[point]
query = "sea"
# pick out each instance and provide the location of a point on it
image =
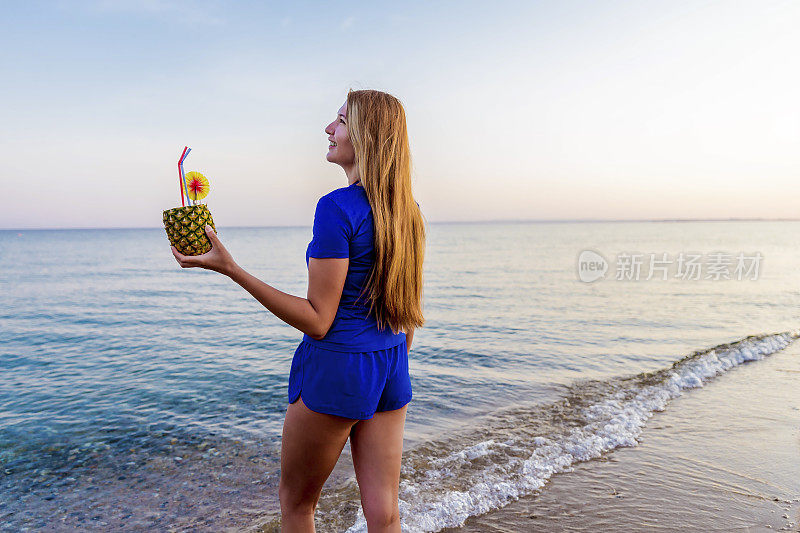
(140, 396)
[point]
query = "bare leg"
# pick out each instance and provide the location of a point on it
(377, 448)
(310, 448)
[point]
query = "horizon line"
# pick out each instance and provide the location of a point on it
(490, 221)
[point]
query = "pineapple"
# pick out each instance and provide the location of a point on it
(186, 228)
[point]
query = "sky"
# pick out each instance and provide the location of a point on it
(559, 110)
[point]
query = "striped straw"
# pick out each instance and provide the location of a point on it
(183, 175)
(180, 174)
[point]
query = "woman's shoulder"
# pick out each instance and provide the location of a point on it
(352, 200)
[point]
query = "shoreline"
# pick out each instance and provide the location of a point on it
(722, 457)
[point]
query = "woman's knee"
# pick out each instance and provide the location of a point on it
(296, 502)
(380, 513)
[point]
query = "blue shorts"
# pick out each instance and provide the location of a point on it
(350, 384)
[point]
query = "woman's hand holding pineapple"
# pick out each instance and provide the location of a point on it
(217, 259)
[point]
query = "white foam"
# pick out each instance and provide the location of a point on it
(427, 506)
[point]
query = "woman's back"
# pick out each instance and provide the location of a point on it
(343, 227)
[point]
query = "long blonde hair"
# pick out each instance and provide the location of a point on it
(377, 131)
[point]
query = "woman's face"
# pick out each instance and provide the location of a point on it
(340, 150)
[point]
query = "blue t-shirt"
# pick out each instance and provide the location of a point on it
(343, 227)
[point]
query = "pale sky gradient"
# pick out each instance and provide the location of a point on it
(516, 110)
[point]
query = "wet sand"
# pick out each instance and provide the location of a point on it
(724, 457)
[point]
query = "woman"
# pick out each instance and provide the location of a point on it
(349, 376)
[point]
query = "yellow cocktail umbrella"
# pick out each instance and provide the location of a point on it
(197, 186)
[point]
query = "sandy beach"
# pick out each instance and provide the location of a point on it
(724, 457)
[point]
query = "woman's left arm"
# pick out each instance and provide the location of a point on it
(313, 315)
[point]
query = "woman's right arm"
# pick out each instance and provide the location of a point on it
(409, 339)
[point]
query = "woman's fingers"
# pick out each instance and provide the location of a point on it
(214, 238)
(183, 260)
(217, 258)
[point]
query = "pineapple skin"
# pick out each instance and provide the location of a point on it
(185, 227)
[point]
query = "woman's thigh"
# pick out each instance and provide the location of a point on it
(311, 445)
(377, 448)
